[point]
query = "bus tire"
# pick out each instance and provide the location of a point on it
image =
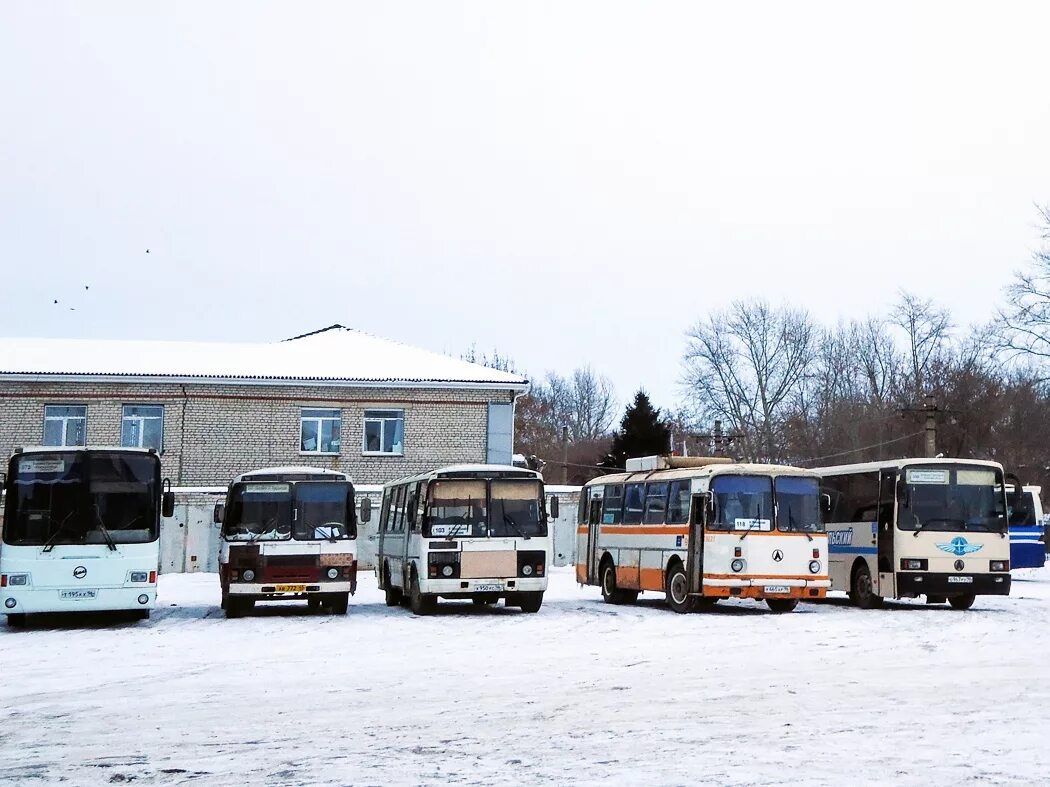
(611, 594)
(862, 592)
(529, 602)
(17, 620)
(420, 603)
(962, 602)
(225, 599)
(391, 594)
(340, 603)
(238, 607)
(782, 604)
(676, 589)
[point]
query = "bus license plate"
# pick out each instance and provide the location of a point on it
(777, 589)
(491, 588)
(76, 594)
(291, 588)
(960, 580)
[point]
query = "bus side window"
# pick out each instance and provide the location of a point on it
(655, 503)
(612, 513)
(581, 514)
(678, 503)
(398, 513)
(410, 510)
(384, 517)
(633, 503)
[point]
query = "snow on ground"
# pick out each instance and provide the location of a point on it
(581, 692)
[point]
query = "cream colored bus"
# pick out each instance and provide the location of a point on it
(474, 532)
(699, 529)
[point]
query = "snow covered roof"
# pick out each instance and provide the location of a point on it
(333, 356)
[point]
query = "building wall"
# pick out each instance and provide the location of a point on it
(214, 432)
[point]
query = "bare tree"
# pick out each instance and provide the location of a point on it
(927, 330)
(745, 364)
(1023, 326)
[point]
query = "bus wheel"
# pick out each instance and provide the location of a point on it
(529, 602)
(612, 594)
(420, 603)
(339, 603)
(236, 607)
(392, 594)
(962, 602)
(677, 590)
(17, 621)
(782, 604)
(862, 591)
(225, 598)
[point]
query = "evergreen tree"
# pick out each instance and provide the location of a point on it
(641, 433)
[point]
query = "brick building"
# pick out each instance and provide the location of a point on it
(335, 398)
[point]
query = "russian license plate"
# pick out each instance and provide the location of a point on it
(960, 580)
(489, 588)
(777, 589)
(78, 594)
(291, 588)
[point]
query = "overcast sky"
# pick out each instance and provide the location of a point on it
(569, 183)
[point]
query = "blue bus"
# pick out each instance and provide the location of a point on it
(1027, 544)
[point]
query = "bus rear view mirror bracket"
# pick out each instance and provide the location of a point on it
(555, 507)
(167, 500)
(366, 510)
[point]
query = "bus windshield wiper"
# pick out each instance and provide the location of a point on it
(507, 518)
(453, 530)
(50, 543)
(792, 523)
(105, 533)
(749, 529)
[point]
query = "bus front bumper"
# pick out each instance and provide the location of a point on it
(32, 601)
(917, 583)
(289, 590)
(465, 588)
(767, 588)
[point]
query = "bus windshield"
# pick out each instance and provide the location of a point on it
(323, 510)
(82, 497)
(798, 505)
(953, 497)
(259, 512)
(742, 502)
(478, 508)
(515, 509)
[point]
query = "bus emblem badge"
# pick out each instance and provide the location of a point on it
(79, 572)
(778, 555)
(959, 546)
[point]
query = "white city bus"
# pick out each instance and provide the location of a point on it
(908, 527)
(698, 529)
(288, 533)
(466, 531)
(81, 531)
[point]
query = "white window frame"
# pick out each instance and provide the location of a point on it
(318, 420)
(65, 419)
(382, 431)
(141, 419)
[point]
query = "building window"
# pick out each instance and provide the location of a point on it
(65, 424)
(384, 432)
(319, 431)
(142, 426)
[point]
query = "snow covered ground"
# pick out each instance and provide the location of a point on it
(579, 693)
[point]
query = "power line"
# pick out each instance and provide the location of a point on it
(864, 447)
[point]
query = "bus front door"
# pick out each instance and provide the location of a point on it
(885, 518)
(694, 562)
(593, 528)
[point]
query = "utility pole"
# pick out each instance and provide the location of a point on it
(565, 455)
(931, 411)
(719, 439)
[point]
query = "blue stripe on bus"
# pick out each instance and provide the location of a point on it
(833, 548)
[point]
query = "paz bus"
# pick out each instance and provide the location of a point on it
(466, 531)
(1027, 547)
(288, 533)
(81, 531)
(699, 529)
(902, 528)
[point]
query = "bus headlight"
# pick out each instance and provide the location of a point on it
(526, 570)
(914, 564)
(814, 567)
(447, 570)
(999, 565)
(737, 565)
(139, 576)
(333, 573)
(143, 599)
(10, 603)
(248, 575)
(17, 579)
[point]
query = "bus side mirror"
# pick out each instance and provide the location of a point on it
(825, 502)
(219, 513)
(167, 504)
(555, 507)
(366, 509)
